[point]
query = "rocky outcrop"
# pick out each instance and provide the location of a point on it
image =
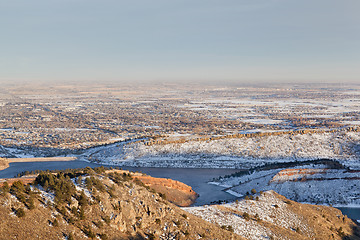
(4, 163)
(175, 191)
(296, 174)
(10, 181)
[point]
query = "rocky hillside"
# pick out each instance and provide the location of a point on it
(271, 216)
(88, 204)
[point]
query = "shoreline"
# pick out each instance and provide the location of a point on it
(41, 159)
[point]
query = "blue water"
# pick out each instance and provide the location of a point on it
(196, 178)
(351, 212)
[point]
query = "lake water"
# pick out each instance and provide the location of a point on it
(351, 212)
(196, 178)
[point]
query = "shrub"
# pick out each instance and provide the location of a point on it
(74, 210)
(82, 199)
(79, 180)
(62, 186)
(89, 171)
(70, 236)
(138, 182)
(246, 216)
(106, 219)
(151, 236)
(340, 232)
(253, 191)
(257, 217)
(55, 223)
(111, 193)
(5, 188)
(30, 203)
(162, 195)
(20, 212)
(228, 228)
(71, 220)
(99, 170)
(103, 236)
(17, 186)
(82, 213)
(61, 210)
(89, 232)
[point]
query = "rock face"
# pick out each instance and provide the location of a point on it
(175, 191)
(296, 174)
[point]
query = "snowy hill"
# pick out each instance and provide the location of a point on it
(237, 152)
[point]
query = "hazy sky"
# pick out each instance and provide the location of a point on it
(240, 40)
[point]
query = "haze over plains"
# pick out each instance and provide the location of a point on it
(160, 40)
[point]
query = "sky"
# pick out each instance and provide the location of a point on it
(180, 40)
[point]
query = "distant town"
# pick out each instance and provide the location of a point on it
(78, 116)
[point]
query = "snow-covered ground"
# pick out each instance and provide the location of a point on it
(237, 152)
(331, 186)
(267, 208)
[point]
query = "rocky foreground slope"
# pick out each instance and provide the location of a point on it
(86, 204)
(271, 216)
(82, 204)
